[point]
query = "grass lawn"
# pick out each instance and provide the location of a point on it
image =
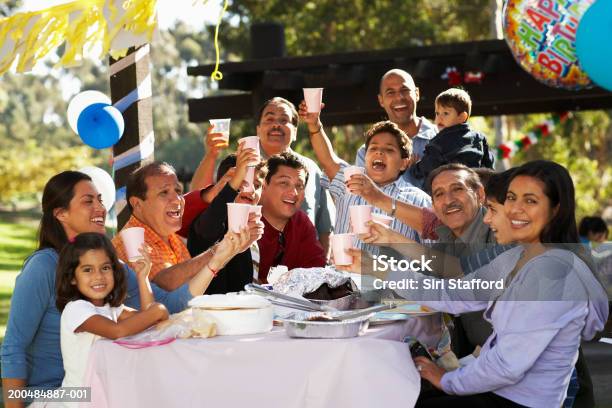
(17, 241)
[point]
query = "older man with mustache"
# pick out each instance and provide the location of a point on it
(457, 196)
(156, 204)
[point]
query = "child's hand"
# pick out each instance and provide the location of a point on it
(310, 118)
(214, 142)
(142, 266)
(363, 186)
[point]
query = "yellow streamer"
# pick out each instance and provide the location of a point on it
(78, 25)
(217, 75)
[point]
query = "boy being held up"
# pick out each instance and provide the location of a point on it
(455, 142)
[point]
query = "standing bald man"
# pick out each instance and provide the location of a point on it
(398, 96)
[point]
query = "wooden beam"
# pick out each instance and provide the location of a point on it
(138, 117)
(350, 58)
(230, 106)
(351, 83)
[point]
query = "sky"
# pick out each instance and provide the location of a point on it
(193, 12)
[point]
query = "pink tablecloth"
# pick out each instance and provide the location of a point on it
(268, 370)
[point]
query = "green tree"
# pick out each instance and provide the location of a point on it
(327, 26)
(582, 145)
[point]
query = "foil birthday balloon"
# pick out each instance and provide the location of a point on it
(542, 37)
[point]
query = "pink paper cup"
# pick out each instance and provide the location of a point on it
(350, 171)
(251, 142)
(313, 98)
(339, 243)
(133, 238)
(360, 215)
(237, 216)
(383, 219)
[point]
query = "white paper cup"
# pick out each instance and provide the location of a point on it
(383, 219)
(360, 215)
(251, 142)
(313, 98)
(339, 243)
(133, 238)
(351, 170)
(221, 126)
(255, 209)
(237, 216)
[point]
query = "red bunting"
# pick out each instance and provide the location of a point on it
(508, 149)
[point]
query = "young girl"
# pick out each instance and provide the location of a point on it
(91, 287)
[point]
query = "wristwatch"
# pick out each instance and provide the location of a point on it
(393, 207)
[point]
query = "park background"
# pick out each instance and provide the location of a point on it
(36, 142)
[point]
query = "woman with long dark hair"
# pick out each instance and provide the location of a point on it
(71, 205)
(550, 300)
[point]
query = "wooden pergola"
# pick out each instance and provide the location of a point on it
(351, 83)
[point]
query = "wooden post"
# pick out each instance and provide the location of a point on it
(127, 74)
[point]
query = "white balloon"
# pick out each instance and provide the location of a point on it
(79, 102)
(104, 183)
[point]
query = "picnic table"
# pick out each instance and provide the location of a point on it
(268, 369)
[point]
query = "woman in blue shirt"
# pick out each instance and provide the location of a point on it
(71, 205)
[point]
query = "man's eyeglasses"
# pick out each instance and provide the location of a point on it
(278, 258)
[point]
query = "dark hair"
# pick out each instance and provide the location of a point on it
(484, 173)
(227, 163)
(58, 193)
(386, 126)
(281, 101)
(136, 185)
(472, 180)
(559, 188)
(261, 171)
(284, 159)
(496, 187)
(69, 260)
(455, 98)
(592, 224)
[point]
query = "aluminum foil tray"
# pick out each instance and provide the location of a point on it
(297, 326)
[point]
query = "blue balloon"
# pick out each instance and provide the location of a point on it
(594, 43)
(100, 125)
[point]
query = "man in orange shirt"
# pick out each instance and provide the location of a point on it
(155, 200)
